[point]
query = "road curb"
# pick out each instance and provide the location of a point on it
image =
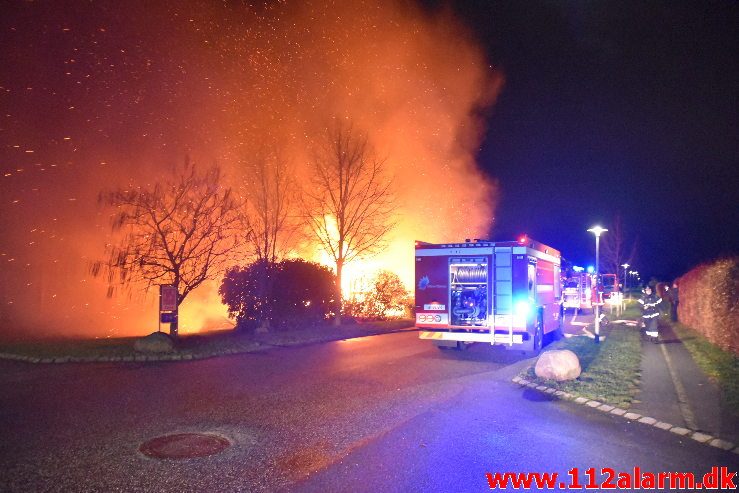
(696, 435)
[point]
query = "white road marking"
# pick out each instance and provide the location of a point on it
(592, 336)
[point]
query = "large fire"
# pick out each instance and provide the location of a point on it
(118, 102)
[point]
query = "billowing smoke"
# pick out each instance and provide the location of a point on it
(111, 93)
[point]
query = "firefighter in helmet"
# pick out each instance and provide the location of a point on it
(650, 312)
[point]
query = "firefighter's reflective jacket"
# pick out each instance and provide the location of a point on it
(649, 305)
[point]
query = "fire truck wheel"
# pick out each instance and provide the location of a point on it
(538, 337)
(559, 331)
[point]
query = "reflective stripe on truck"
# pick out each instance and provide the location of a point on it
(470, 337)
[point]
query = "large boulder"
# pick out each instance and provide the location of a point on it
(558, 365)
(157, 342)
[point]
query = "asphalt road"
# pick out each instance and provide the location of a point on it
(383, 413)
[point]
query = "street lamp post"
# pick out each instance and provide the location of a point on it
(597, 230)
(626, 273)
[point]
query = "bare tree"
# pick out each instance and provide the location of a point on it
(614, 250)
(178, 232)
(349, 204)
(270, 220)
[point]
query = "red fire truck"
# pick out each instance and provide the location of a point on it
(579, 292)
(499, 292)
(608, 285)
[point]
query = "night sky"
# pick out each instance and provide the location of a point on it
(615, 108)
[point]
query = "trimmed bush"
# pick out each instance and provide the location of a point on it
(290, 293)
(708, 301)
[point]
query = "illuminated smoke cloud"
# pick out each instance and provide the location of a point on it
(116, 93)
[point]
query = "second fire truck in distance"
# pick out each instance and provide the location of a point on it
(579, 292)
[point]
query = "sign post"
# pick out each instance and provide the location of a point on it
(168, 307)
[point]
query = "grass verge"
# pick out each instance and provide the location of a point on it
(325, 333)
(197, 345)
(720, 365)
(610, 370)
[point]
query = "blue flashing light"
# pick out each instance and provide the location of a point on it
(522, 308)
(591, 269)
(577, 268)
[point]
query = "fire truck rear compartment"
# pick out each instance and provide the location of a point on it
(469, 297)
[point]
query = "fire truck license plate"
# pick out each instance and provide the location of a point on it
(432, 318)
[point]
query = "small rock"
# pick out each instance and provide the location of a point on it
(157, 342)
(559, 365)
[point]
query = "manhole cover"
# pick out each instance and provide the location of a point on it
(184, 446)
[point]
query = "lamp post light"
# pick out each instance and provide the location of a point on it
(626, 273)
(597, 230)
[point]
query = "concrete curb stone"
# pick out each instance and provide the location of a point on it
(680, 430)
(722, 444)
(701, 437)
(646, 420)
